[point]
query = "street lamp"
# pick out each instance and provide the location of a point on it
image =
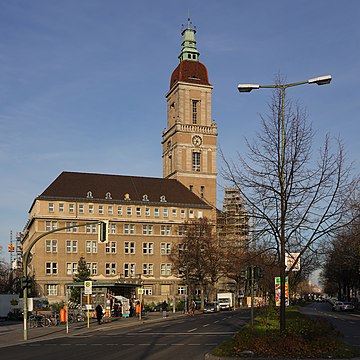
(320, 80)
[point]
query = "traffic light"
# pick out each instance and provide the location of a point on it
(103, 234)
(25, 283)
(259, 272)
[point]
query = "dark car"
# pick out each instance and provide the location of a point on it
(211, 307)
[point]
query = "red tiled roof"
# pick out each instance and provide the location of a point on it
(77, 185)
(190, 71)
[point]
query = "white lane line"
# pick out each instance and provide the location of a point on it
(177, 344)
(206, 325)
(128, 344)
(145, 330)
(194, 344)
(191, 330)
(216, 321)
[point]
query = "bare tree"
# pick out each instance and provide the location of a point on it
(298, 200)
(197, 256)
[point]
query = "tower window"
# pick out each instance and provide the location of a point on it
(196, 161)
(194, 111)
(202, 191)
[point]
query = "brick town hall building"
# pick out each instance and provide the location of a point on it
(145, 214)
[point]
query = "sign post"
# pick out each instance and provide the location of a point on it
(88, 292)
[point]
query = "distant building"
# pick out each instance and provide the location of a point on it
(145, 214)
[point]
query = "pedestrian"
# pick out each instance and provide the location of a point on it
(137, 309)
(164, 308)
(99, 313)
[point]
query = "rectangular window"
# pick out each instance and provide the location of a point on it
(113, 229)
(166, 212)
(71, 268)
(50, 225)
(51, 290)
(148, 269)
(138, 211)
(61, 207)
(101, 209)
(110, 210)
(156, 212)
(147, 229)
(148, 248)
(81, 208)
(174, 212)
(165, 248)
(129, 229)
(147, 211)
(51, 268)
(119, 211)
(71, 246)
(194, 111)
(51, 207)
(88, 228)
(182, 213)
(129, 247)
(181, 290)
(191, 214)
(91, 209)
(129, 270)
(71, 208)
(165, 230)
(165, 269)
(129, 211)
(51, 246)
(110, 268)
(110, 247)
(196, 161)
(200, 214)
(92, 268)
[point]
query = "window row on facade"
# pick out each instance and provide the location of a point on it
(120, 229)
(111, 247)
(128, 270)
(119, 210)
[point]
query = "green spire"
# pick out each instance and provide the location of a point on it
(188, 44)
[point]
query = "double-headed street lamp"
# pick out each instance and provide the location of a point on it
(321, 80)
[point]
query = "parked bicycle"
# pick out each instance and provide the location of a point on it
(39, 320)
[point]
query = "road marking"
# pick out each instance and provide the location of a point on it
(141, 331)
(194, 329)
(144, 344)
(177, 344)
(194, 344)
(206, 325)
(216, 321)
(128, 344)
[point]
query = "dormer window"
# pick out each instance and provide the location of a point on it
(162, 198)
(108, 196)
(89, 195)
(145, 198)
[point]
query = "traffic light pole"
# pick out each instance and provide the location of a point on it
(25, 266)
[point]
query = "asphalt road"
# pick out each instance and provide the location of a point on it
(183, 338)
(348, 323)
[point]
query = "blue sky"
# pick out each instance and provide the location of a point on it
(83, 82)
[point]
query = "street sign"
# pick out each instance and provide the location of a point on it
(290, 259)
(87, 287)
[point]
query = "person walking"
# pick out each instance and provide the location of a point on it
(164, 308)
(99, 313)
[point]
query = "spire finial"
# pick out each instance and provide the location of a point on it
(188, 44)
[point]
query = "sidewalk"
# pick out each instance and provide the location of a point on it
(12, 333)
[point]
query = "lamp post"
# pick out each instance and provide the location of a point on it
(321, 80)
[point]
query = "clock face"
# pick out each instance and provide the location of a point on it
(196, 140)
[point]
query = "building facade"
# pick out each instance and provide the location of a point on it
(146, 215)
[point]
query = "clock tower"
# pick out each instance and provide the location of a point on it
(189, 141)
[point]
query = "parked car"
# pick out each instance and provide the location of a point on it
(211, 307)
(343, 306)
